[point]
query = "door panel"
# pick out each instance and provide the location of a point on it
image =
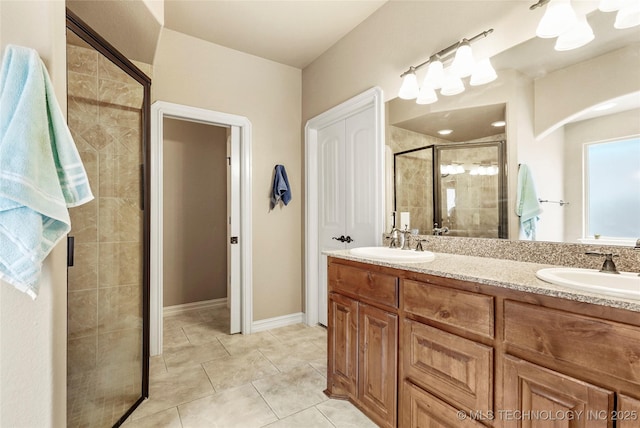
(234, 231)
(331, 217)
(359, 186)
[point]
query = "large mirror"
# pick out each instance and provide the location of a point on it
(582, 153)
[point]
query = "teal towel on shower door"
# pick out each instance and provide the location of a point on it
(41, 173)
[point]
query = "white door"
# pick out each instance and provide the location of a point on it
(347, 203)
(233, 230)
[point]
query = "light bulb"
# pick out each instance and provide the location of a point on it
(483, 72)
(557, 19)
(463, 62)
(629, 15)
(577, 36)
(426, 95)
(435, 74)
(409, 89)
(452, 84)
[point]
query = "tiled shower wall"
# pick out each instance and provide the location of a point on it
(105, 283)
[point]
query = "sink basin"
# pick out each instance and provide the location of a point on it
(626, 285)
(393, 254)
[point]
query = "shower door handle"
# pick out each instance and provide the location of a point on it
(70, 250)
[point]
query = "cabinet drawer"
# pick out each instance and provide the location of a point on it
(421, 409)
(469, 311)
(373, 286)
(450, 366)
(604, 346)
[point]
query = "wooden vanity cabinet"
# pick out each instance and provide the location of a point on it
(450, 353)
(363, 340)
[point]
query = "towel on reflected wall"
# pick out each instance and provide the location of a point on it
(41, 173)
(527, 203)
(281, 191)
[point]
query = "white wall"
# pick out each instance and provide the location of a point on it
(33, 333)
(577, 134)
(566, 92)
(193, 72)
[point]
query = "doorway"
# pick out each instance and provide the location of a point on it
(240, 263)
(195, 213)
(372, 103)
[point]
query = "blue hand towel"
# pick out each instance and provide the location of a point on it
(527, 203)
(281, 189)
(41, 173)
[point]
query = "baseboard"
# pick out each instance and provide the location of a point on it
(186, 307)
(281, 321)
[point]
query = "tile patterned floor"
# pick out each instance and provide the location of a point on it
(208, 378)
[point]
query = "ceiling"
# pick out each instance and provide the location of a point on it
(467, 124)
(304, 28)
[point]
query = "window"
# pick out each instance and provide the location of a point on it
(612, 189)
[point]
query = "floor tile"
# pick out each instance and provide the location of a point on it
(193, 355)
(237, 344)
(165, 419)
(309, 418)
(173, 338)
(181, 319)
(298, 332)
(282, 357)
(206, 331)
(343, 414)
(173, 388)
(320, 365)
(213, 314)
(292, 391)
(240, 407)
(157, 366)
(231, 371)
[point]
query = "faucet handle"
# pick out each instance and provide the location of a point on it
(419, 245)
(608, 266)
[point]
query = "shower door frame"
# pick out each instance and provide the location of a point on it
(87, 34)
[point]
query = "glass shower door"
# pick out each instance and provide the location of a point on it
(107, 284)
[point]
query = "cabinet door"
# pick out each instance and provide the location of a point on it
(378, 344)
(422, 410)
(342, 346)
(535, 396)
(628, 414)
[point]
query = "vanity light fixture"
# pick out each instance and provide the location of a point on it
(558, 18)
(498, 123)
(448, 81)
(572, 30)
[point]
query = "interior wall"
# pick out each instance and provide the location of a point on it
(545, 159)
(269, 95)
(599, 129)
(33, 354)
(561, 94)
(194, 212)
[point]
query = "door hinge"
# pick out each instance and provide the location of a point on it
(234, 239)
(229, 160)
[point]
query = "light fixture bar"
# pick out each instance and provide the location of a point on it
(539, 4)
(449, 50)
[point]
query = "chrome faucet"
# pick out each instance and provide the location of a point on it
(406, 235)
(439, 231)
(419, 245)
(394, 237)
(608, 266)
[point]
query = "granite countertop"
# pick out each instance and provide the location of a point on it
(510, 274)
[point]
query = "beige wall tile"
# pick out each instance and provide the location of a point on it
(84, 274)
(82, 320)
(82, 60)
(81, 354)
(119, 308)
(120, 263)
(120, 220)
